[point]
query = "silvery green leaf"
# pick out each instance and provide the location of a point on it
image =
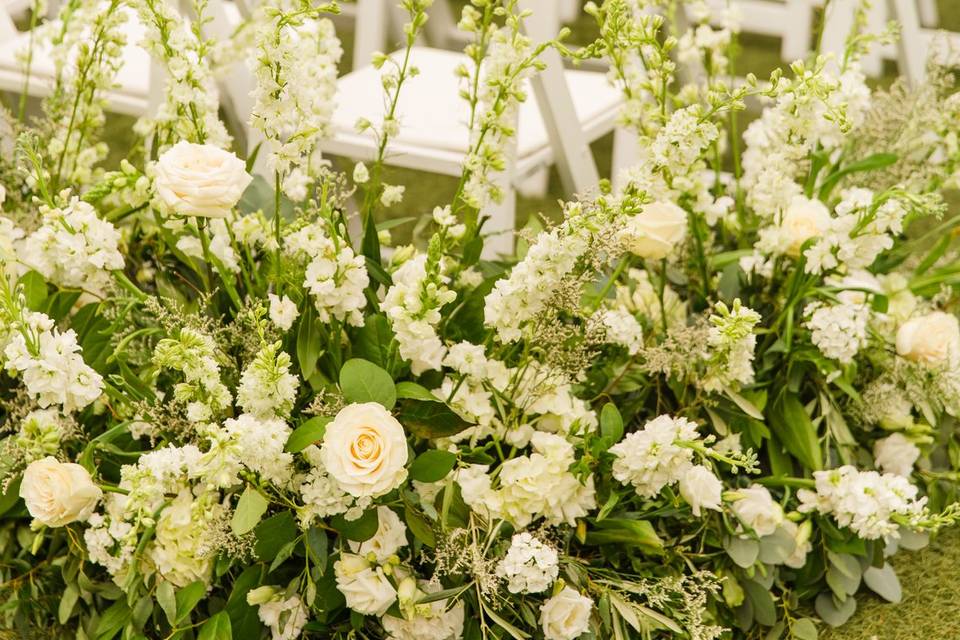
(804, 629)
(743, 551)
(777, 547)
(884, 583)
(833, 613)
(913, 540)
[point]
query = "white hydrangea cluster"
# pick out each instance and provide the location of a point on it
(413, 306)
(180, 550)
(532, 282)
(267, 388)
(655, 456)
(251, 442)
(529, 565)
(531, 487)
(622, 329)
(193, 353)
(732, 342)
(872, 505)
(51, 365)
(73, 247)
(322, 497)
(839, 331)
(295, 64)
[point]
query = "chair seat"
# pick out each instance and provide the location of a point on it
(434, 117)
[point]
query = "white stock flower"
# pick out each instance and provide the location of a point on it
(267, 388)
(365, 450)
(757, 510)
(652, 458)
(655, 231)
(200, 180)
(802, 545)
(391, 536)
(283, 627)
(839, 331)
(623, 329)
(933, 339)
(58, 493)
(566, 615)
(529, 565)
(896, 454)
(283, 311)
(365, 588)
(701, 489)
(432, 621)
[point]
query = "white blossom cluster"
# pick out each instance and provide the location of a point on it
(413, 306)
(267, 388)
(622, 329)
(296, 71)
(660, 455)
(529, 566)
(73, 248)
(838, 330)
(872, 505)
(194, 354)
(732, 342)
(246, 441)
(538, 485)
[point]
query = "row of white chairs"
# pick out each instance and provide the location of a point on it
(567, 110)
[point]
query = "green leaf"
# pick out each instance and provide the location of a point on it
(166, 598)
(432, 465)
(12, 495)
(623, 531)
(318, 546)
(363, 381)
(833, 613)
(884, 583)
(804, 629)
(764, 609)
(188, 597)
(373, 341)
(113, 620)
(419, 526)
(413, 391)
(34, 290)
(58, 305)
(250, 509)
(871, 163)
(308, 342)
(795, 430)
(273, 533)
(216, 628)
(359, 530)
(743, 551)
(611, 424)
(310, 432)
(67, 602)
(430, 419)
(243, 617)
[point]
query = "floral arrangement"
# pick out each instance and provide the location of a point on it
(709, 403)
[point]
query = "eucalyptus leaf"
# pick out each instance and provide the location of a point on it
(743, 551)
(884, 582)
(833, 613)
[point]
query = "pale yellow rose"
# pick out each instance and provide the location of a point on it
(566, 615)
(655, 231)
(58, 493)
(933, 339)
(365, 450)
(804, 219)
(200, 180)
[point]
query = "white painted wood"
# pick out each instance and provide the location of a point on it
(797, 38)
(929, 14)
(370, 31)
(836, 27)
(914, 42)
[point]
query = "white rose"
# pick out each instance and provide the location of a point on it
(802, 546)
(701, 489)
(804, 219)
(896, 454)
(933, 339)
(58, 493)
(365, 450)
(566, 615)
(282, 311)
(366, 589)
(200, 180)
(654, 232)
(390, 537)
(757, 509)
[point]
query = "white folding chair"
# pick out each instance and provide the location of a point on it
(131, 96)
(916, 39)
(566, 110)
(789, 20)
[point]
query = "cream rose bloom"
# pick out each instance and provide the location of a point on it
(654, 232)
(200, 180)
(566, 615)
(701, 489)
(391, 536)
(896, 454)
(804, 219)
(757, 509)
(365, 588)
(933, 339)
(365, 450)
(58, 493)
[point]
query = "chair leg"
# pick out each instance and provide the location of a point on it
(929, 14)
(796, 42)
(626, 153)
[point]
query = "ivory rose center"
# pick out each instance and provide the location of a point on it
(365, 450)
